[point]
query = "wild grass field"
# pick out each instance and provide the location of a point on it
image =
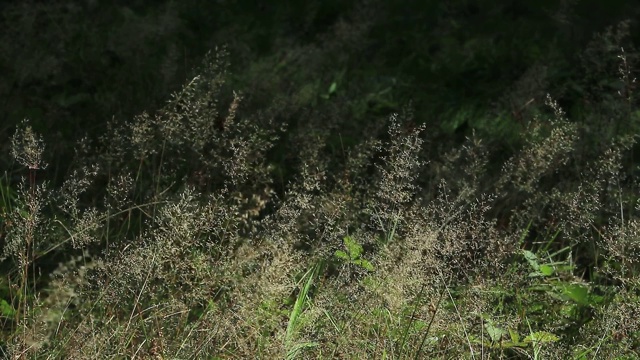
(272, 213)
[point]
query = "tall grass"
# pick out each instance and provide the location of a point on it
(183, 249)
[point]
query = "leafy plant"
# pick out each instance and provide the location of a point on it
(353, 254)
(497, 335)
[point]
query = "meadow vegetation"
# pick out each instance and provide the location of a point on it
(298, 206)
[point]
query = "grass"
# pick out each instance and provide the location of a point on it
(204, 274)
(215, 228)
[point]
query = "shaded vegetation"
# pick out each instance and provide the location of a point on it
(244, 179)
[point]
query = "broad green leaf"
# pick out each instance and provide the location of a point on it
(577, 292)
(546, 270)
(495, 333)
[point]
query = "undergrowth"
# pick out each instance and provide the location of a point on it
(187, 243)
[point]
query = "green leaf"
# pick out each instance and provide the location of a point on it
(355, 249)
(546, 270)
(333, 88)
(515, 337)
(364, 263)
(342, 255)
(6, 309)
(495, 333)
(509, 345)
(596, 299)
(532, 259)
(577, 293)
(541, 337)
(301, 300)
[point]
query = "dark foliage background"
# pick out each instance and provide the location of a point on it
(70, 67)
